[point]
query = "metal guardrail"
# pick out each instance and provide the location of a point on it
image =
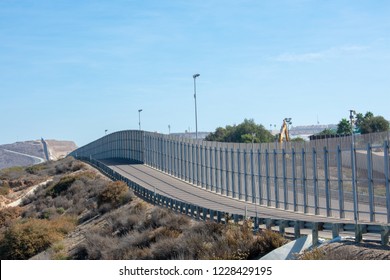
(202, 213)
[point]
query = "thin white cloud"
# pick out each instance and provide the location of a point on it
(320, 55)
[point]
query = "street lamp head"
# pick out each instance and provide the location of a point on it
(140, 110)
(195, 75)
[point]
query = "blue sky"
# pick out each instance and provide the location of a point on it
(69, 70)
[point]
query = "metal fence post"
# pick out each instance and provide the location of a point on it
(228, 187)
(234, 194)
(327, 190)
(340, 182)
(276, 185)
(387, 179)
(315, 182)
(239, 174)
(267, 178)
(370, 185)
(304, 181)
(285, 188)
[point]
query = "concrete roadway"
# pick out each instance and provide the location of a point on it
(169, 186)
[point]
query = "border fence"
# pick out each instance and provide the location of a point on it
(346, 177)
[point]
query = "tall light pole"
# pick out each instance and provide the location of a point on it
(196, 111)
(139, 118)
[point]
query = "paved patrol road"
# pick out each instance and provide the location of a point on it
(175, 188)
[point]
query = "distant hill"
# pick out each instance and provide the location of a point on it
(32, 152)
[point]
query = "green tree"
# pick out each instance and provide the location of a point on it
(370, 123)
(242, 133)
(374, 124)
(327, 131)
(344, 127)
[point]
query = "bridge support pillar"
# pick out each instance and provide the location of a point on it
(385, 232)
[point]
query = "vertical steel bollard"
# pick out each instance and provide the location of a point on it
(254, 196)
(223, 186)
(267, 178)
(259, 178)
(193, 164)
(207, 167)
(327, 188)
(354, 186)
(340, 183)
(245, 177)
(239, 174)
(276, 184)
(228, 188)
(294, 180)
(212, 164)
(285, 188)
(202, 179)
(197, 164)
(315, 182)
(387, 179)
(217, 186)
(370, 183)
(232, 171)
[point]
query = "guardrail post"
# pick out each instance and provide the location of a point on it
(335, 230)
(314, 233)
(205, 210)
(297, 229)
(269, 223)
(211, 215)
(385, 232)
(358, 233)
(220, 216)
(282, 227)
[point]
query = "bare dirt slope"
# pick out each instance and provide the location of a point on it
(60, 149)
(32, 152)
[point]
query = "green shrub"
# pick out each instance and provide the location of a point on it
(115, 194)
(62, 186)
(4, 189)
(26, 238)
(9, 214)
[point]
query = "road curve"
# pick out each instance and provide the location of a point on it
(169, 186)
(37, 159)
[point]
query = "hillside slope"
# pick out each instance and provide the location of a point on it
(77, 213)
(28, 153)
